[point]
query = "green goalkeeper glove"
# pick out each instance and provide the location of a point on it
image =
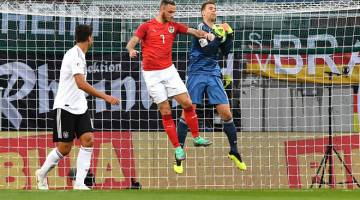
(219, 32)
(227, 28)
(222, 31)
(227, 80)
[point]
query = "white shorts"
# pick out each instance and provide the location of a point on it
(162, 84)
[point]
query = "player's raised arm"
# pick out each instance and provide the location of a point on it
(197, 33)
(131, 46)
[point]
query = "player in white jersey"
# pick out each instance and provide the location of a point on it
(71, 118)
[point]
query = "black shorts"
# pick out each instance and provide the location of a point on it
(67, 125)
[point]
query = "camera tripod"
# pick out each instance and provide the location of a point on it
(330, 152)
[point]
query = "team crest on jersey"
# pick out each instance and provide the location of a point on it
(65, 134)
(171, 29)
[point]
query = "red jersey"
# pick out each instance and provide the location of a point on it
(156, 43)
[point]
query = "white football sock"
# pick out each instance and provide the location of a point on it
(83, 164)
(51, 161)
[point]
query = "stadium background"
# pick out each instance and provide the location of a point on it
(283, 124)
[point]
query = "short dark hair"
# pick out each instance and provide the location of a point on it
(82, 32)
(167, 2)
(207, 3)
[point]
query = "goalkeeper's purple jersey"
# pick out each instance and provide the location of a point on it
(204, 54)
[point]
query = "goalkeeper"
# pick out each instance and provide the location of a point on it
(204, 75)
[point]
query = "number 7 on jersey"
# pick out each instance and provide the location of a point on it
(163, 38)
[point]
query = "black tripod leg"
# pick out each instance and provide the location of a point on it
(326, 156)
(324, 168)
(347, 169)
(319, 168)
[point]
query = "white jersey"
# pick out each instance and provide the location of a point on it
(69, 97)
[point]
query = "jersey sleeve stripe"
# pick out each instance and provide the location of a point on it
(200, 26)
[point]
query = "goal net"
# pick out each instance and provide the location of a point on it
(294, 95)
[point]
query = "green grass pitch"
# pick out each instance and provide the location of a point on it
(323, 194)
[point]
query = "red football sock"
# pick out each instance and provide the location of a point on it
(170, 129)
(192, 121)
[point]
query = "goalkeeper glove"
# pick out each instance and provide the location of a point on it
(227, 28)
(219, 32)
(227, 80)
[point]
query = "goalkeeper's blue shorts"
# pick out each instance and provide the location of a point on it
(198, 84)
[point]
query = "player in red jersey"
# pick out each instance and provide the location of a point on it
(160, 75)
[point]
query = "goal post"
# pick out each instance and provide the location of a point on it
(288, 57)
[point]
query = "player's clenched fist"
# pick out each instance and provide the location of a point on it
(133, 53)
(210, 36)
(112, 100)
